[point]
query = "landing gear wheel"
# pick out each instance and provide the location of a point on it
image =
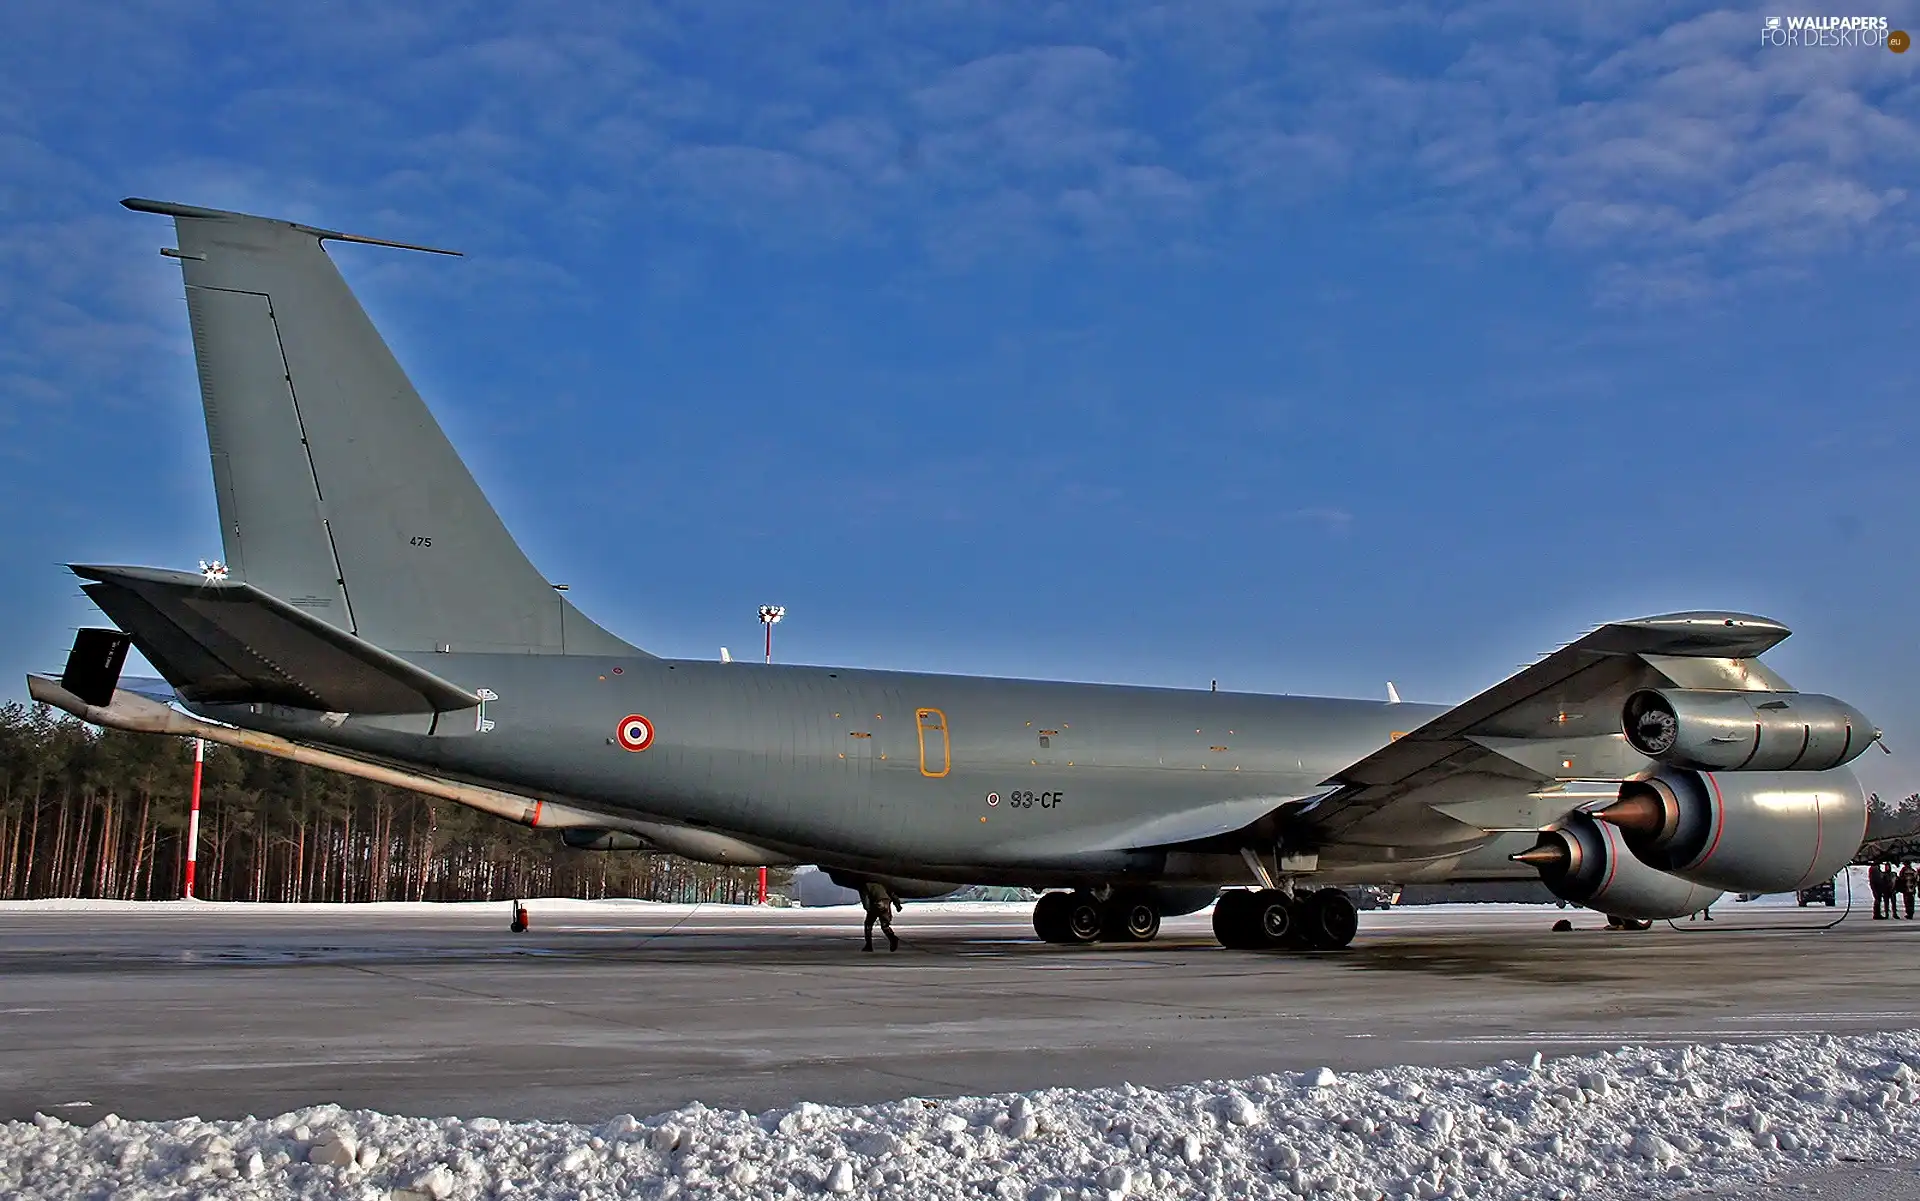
(1233, 920)
(1253, 921)
(1131, 919)
(1084, 918)
(520, 921)
(1050, 917)
(1274, 922)
(1328, 920)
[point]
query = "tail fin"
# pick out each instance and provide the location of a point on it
(337, 490)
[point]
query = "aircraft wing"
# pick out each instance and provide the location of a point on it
(1558, 719)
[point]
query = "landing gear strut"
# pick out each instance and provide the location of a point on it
(520, 920)
(1259, 919)
(1080, 917)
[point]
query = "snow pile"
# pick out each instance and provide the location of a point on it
(1634, 1122)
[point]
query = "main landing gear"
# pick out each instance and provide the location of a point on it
(520, 920)
(1081, 917)
(1260, 919)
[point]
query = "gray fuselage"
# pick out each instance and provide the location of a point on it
(948, 777)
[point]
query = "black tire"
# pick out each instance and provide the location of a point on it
(1233, 920)
(1273, 918)
(1327, 920)
(1131, 919)
(1085, 918)
(1050, 916)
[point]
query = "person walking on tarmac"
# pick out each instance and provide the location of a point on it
(1907, 882)
(880, 903)
(1877, 885)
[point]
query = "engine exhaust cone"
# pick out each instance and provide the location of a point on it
(1551, 854)
(1640, 813)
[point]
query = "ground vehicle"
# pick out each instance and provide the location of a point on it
(1374, 896)
(1818, 894)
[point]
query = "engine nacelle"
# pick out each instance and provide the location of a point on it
(1745, 731)
(1746, 831)
(1586, 862)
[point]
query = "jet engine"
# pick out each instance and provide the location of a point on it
(1583, 861)
(1745, 731)
(1746, 831)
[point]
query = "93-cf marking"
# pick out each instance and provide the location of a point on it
(1031, 800)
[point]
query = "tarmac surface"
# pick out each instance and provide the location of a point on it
(229, 1010)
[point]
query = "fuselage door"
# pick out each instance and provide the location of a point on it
(936, 749)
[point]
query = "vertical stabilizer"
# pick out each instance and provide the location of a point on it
(338, 491)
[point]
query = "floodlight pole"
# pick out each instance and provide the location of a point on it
(193, 814)
(769, 614)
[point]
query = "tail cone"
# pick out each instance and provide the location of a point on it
(1552, 853)
(1639, 813)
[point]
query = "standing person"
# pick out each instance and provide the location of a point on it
(1907, 882)
(880, 903)
(1877, 885)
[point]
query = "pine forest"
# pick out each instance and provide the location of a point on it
(101, 813)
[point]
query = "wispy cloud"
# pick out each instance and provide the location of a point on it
(1673, 156)
(1332, 520)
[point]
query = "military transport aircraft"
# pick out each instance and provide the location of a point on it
(373, 615)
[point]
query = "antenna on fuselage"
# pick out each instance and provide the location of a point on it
(724, 656)
(1393, 694)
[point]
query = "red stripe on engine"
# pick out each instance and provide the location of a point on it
(1719, 820)
(1608, 834)
(1819, 834)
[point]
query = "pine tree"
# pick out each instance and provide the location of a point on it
(102, 813)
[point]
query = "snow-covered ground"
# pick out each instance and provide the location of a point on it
(570, 907)
(1634, 1122)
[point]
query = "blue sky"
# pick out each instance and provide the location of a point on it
(1298, 348)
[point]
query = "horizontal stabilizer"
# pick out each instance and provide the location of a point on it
(230, 643)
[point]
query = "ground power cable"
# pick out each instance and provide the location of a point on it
(1795, 929)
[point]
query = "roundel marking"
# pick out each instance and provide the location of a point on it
(635, 732)
(993, 798)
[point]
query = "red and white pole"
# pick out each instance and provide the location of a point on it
(763, 871)
(769, 614)
(193, 813)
